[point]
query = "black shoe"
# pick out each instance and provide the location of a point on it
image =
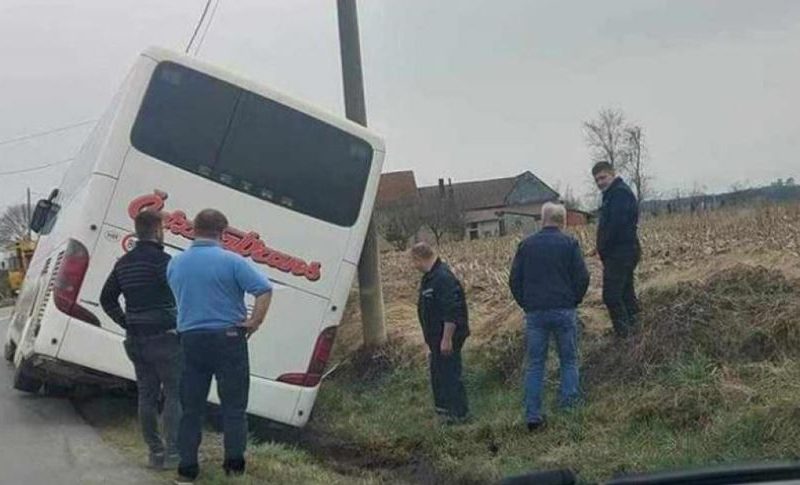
(535, 426)
(234, 468)
(187, 474)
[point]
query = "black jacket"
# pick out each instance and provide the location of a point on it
(548, 272)
(617, 231)
(442, 299)
(141, 277)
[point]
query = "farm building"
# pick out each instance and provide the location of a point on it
(483, 208)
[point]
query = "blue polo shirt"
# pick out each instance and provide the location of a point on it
(209, 284)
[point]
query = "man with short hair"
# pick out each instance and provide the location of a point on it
(618, 248)
(549, 280)
(210, 283)
(151, 341)
(443, 314)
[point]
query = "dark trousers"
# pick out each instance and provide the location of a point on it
(157, 362)
(221, 354)
(619, 294)
(449, 395)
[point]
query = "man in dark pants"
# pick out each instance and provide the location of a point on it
(210, 283)
(549, 280)
(618, 247)
(442, 311)
(151, 341)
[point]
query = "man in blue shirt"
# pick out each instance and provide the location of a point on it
(209, 284)
(549, 280)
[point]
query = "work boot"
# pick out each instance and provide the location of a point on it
(234, 467)
(187, 474)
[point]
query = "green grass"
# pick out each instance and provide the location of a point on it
(115, 417)
(693, 414)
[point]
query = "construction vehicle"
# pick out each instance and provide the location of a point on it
(17, 263)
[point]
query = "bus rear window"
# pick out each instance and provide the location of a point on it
(252, 144)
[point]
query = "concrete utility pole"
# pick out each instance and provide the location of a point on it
(369, 270)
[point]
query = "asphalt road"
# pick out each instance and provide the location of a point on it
(43, 441)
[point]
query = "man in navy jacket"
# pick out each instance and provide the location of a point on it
(549, 280)
(618, 248)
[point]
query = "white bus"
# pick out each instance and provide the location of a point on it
(297, 185)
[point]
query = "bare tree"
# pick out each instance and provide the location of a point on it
(605, 137)
(697, 197)
(635, 153)
(442, 216)
(568, 198)
(739, 186)
(14, 224)
(399, 223)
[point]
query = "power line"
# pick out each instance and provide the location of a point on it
(197, 27)
(208, 26)
(47, 132)
(39, 167)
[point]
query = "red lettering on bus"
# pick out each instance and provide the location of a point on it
(248, 244)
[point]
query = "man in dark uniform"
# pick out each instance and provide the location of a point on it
(151, 341)
(442, 311)
(618, 247)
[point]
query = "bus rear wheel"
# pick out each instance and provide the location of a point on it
(24, 381)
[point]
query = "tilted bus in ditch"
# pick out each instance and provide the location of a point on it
(296, 183)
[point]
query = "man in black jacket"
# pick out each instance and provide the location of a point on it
(618, 248)
(442, 311)
(151, 341)
(549, 280)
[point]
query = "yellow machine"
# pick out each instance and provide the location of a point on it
(17, 264)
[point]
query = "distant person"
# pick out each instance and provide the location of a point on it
(151, 342)
(442, 311)
(210, 283)
(549, 280)
(618, 248)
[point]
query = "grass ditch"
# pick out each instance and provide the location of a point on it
(712, 378)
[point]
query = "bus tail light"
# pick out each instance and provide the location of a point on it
(319, 359)
(69, 280)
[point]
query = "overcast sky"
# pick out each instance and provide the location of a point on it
(466, 89)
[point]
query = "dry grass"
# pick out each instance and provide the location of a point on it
(675, 249)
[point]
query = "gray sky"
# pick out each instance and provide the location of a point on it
(459, 88)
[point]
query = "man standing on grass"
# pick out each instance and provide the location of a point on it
(209, 285)
(442, 311)
(549, 280)
(151, 341)
(618, 248)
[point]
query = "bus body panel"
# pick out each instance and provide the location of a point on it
(95, 348)
(141, 176)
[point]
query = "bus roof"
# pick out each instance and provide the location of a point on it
(159, 54)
